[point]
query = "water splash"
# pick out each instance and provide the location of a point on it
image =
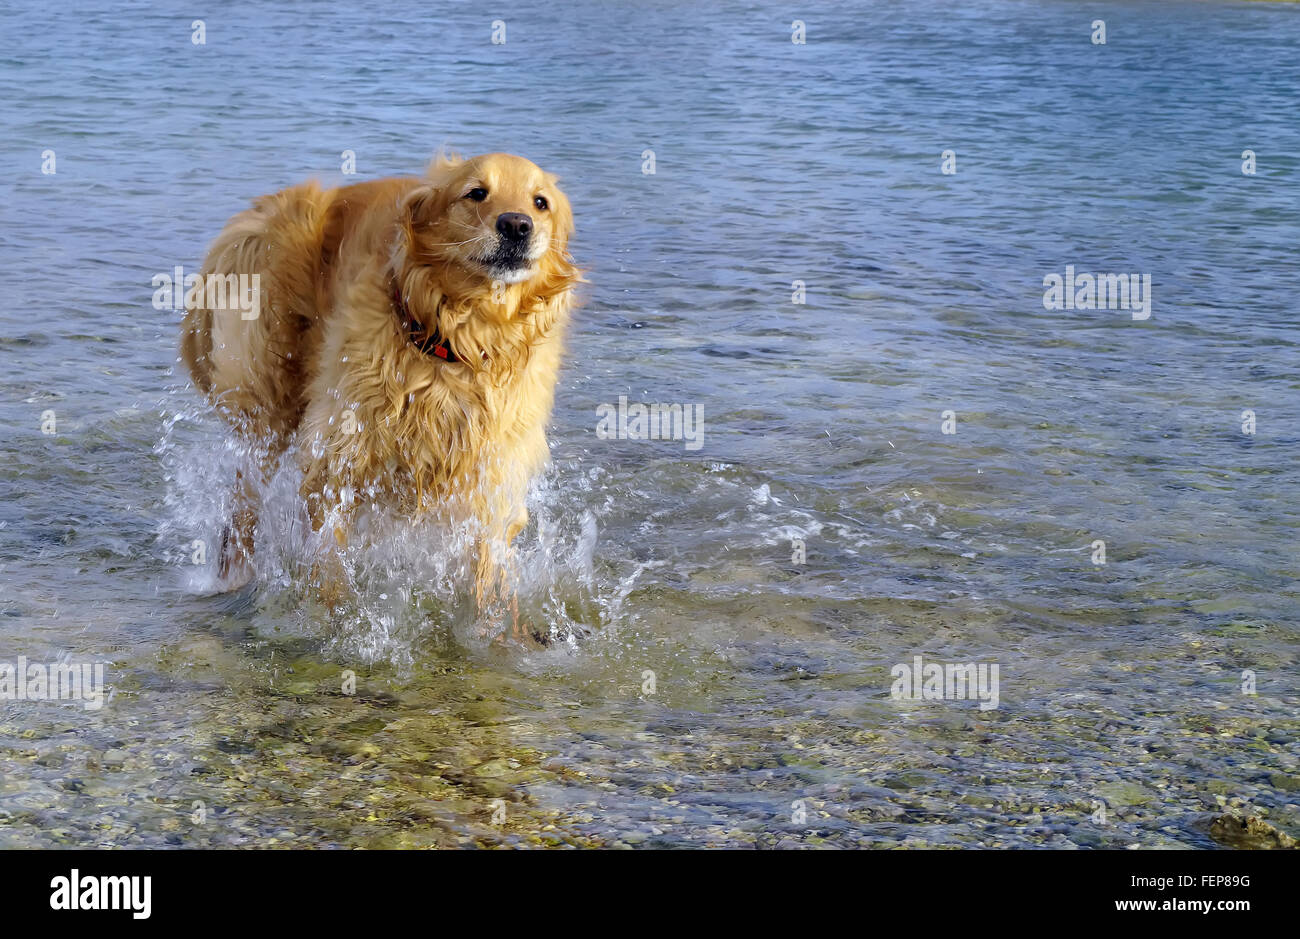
(408, 584)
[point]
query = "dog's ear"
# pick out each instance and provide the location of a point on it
(561, 215)
(419, 206)
(559, 274)
(424, 203)
(444, 163)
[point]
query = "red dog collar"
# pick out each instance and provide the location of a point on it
(426, 340)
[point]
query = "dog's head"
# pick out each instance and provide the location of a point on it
(496, 218)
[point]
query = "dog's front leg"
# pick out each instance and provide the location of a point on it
(329, 576)
(234, 567)
(234, 562)
(495, 580)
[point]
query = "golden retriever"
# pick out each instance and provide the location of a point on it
(406, 346)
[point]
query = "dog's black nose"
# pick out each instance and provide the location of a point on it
(514, 225)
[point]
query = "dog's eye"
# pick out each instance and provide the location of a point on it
(541, 203)
(478, 194)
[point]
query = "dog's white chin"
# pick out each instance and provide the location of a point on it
(510, 275)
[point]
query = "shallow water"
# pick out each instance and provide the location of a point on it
(770, 721)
